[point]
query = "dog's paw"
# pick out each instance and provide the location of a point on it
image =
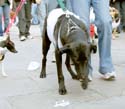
(62, 91)
(42, 75)
(84, 85)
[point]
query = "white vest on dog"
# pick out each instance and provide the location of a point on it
(51, 22)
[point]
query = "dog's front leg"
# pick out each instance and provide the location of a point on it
(3, 71)
(67, 62)
(62, 89)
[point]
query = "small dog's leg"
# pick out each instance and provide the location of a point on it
(3, 71)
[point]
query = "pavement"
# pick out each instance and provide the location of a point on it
(23, 89)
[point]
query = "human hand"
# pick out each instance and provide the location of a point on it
(12, 14)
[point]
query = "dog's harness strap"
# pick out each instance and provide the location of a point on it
(73, 27)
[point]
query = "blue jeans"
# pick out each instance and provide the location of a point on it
(35, 20)
(43, 9)
(104, 28)
(4, 11)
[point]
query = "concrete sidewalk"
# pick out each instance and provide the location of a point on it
(23, 89)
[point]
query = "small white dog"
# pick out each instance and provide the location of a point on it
(5, 45)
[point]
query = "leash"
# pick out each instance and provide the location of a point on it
(16, 13)
(62, 5)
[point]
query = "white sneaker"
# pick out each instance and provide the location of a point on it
(30, 37)
(22, 38)
(109, 76)
(89, 77)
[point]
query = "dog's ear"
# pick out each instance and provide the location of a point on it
(93, 48)
(65, 48)
(10, 45)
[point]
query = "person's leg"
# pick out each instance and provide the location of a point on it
(82, 9)
(68, 5)
(21, 24)
(52, 4)
(42, 12)
(104, 27)
(34, 20)
(123, 15)
(28, 17)
(6, 14)
(1, 15)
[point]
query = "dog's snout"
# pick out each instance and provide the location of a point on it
(15, 51)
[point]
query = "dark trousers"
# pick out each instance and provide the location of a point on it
(120, 5)
(24, 16)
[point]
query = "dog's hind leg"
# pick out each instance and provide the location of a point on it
(67, 62)
(45, 47)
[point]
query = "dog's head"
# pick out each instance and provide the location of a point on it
(79, 53)
(5, 42)
(114, 14)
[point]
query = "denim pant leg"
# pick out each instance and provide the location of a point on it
(83, 12)
(104, 27)
(34, 14)
(1, 14)
(42, 12)
(6, 14)
(52, 4)
(43, 9)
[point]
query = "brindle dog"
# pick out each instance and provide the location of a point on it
(75, 43)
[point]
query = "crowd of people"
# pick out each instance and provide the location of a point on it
(38, 11)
